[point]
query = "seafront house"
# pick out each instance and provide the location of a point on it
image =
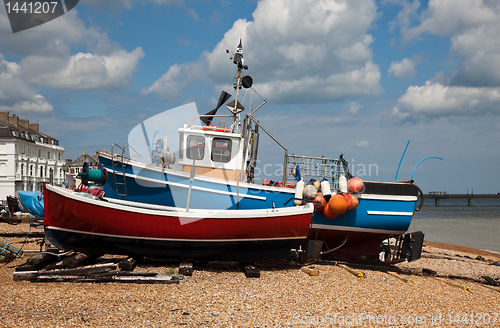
(28, 157)
(74, 167)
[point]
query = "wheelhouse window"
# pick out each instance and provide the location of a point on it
(221, 150)
(195, 147)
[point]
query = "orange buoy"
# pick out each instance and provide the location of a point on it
(355, 202)
(355, 184)
(348, 198)
(327, 213)
(321, 199)
(338, 204)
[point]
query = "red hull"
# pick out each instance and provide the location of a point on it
(76, 221)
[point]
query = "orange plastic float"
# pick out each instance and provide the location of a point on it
(321, 199)
(338, 205)
(327, 213)
(348, 198)
(355, 184)
(355, 202)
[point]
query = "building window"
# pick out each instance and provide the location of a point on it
(59, 156)
(39, 153)
(31, 170)
(22, 169)
(41, 171)
(48, 154)
(196, 147)
(221, 150)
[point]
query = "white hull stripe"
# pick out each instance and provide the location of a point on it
(389, 213)
(181, 185)
(355, 229)
(169, 239)
(387, 197)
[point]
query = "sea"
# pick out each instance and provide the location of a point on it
(453, 222)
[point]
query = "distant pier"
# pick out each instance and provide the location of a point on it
(438, 195)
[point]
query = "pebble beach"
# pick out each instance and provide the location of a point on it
(218, 294)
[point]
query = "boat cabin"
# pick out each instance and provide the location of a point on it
(215, 151)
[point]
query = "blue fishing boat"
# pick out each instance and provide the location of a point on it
(217, 165)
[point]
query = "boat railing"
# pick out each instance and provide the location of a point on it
(317, 168)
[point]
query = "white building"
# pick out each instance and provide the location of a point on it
(28, 157)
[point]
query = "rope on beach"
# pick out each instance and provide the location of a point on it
(405, 279)
(359, 274)
(454, 285)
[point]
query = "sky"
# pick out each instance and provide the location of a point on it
(359, 78)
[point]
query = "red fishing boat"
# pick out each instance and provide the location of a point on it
(82, 222)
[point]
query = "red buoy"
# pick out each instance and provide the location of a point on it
(321, 199)
(355, 184)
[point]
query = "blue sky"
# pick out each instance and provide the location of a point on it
(357, 77)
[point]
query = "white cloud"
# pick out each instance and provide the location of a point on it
(171, 84)
(474, 88)
(403, 68)
(54, 38)
(300, 51)
(17, 96)
(362, 144)
(352, 107)
(473, 27)
(453, 17)
(435, 100)
(82, 71)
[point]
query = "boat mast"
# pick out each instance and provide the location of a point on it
(237, 85)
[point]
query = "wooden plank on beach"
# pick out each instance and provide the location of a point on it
(79, 259)
(91, 269)
(491, 281)
(161, 278)
(37, 262)
(128, 264)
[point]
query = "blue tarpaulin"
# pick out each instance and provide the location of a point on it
(31, 201)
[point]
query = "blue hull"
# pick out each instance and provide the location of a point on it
(385, 209)
(171, 188)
